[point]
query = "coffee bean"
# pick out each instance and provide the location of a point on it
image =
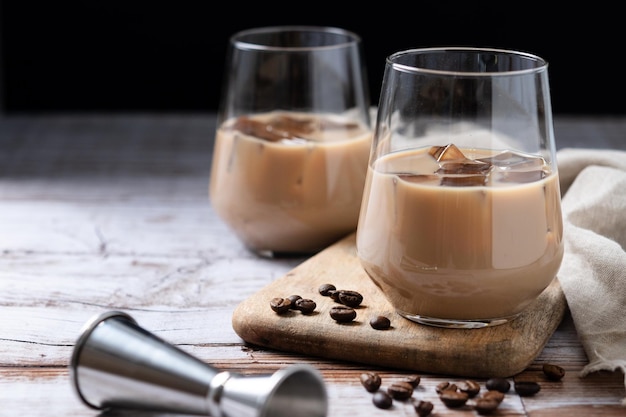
(342, 314)
(382, 400)
(305, 305)
(349, 298)
(498, 384)
(371, 381)
(325, 289)
(453, 399)
(527, 388)
(380, 323)
(293, 299)
(493, 395)
(414, 380)
(441, 386)
(423, 408)
(400, 390)
(445, 386)
(553, 372)
(472, 388)
(280, 305)
(486, 405)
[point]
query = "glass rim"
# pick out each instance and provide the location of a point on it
(349, 38)
(540, 63)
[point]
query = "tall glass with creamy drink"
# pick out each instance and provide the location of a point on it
(293, 138)
(460, 223)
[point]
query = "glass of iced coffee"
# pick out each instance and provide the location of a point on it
(460, 223)
(293, 138)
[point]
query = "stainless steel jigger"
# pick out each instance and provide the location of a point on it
(117, 364)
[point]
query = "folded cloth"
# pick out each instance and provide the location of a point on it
(593, 272)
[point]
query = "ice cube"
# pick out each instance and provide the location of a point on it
(464, 180)
(278, 128)
(448, 152)
(465, 167)
(290, 126)
(258, 129)
(420, 178)
(516, 167)
(328, 124)
(514, 160)
(464, 173)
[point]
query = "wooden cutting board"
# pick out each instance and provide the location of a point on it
(503, 350)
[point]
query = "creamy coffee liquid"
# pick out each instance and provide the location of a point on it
(460, 234)
(289, 182)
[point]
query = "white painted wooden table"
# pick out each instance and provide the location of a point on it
(103, 213)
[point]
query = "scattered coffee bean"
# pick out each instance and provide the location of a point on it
(293, 299)
(471, 388)
(553, 372)
(400, 390)
(498, 384)
(382, 400)
(325, 289)
(305, 305)
(486, 405)
(342, 314)
(423, 408)
(349, 298)
(371, 381)
(453, 399)
(527, 388)
(280, 305)
(493, 395)
(380, 323)
(443, 386)
(414, 380)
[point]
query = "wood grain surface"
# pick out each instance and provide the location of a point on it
(111, 212)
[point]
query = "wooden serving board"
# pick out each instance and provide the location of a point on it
(503, 350)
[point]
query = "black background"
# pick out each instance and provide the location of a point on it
(158, 56)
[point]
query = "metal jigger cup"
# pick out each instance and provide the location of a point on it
(117, 364)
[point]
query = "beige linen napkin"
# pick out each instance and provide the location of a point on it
(593, 272)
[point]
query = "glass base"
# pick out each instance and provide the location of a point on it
(456, 324)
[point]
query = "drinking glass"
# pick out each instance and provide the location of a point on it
(293, 138)
(460, 223)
